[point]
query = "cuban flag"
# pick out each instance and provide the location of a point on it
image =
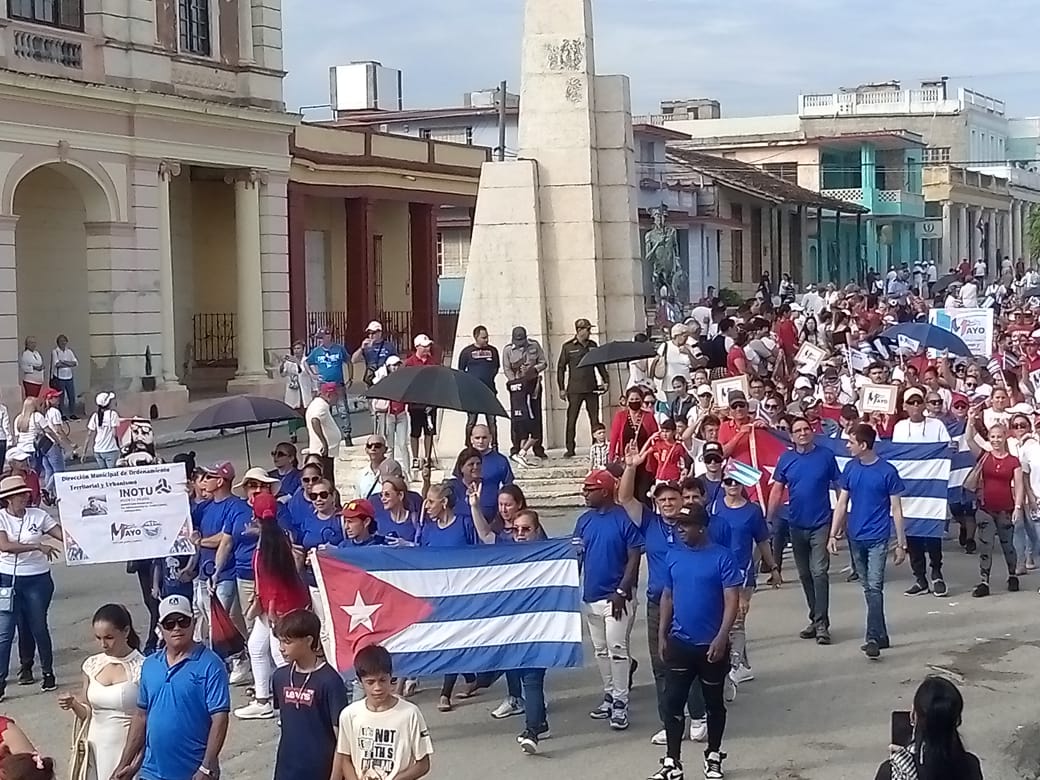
(962, 461)
(925, 471)
(454, 610)
(746, 475)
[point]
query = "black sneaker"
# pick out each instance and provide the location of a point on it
(981, 590)
(49, 683)
(528, 742)
(670, 770)
(823, 635)
(633, 667)
(713, 765)
(568, 454)
(809, 632)
(969, 548)
(871, 650)
(939, 589)
(917, 589)
(1012, 584)
(606, 706)
(25, 676)
(853, 577)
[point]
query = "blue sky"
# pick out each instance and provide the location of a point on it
(755, 56)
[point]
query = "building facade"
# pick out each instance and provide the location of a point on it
(144, 164)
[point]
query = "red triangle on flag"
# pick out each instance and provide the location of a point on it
(363, 609)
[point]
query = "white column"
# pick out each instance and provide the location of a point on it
(963, 235)
(1019, 210)
(947, 239)
(10, 379)
(1009, 234)
(991, 247)
(167, 170)
(249, 319)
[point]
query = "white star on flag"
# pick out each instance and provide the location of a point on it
(360, 613)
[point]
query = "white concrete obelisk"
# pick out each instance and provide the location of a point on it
(555, 235)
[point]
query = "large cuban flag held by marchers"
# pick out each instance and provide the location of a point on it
(448, 610)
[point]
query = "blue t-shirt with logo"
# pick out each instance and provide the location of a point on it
(870, 489)
(375, 356)
(329, 361)
(697, 578)
(606, 536)
(213, 517)
(244, 538)
(808, 476)
(170, 583)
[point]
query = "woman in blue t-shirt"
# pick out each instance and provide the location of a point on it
(443, 525)
(359, 525)
(747, 530)
(320, 527)
(466, 474)
(286, 468)
(395, 520)
(299, 506)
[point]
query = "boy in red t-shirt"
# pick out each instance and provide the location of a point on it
(667, 459)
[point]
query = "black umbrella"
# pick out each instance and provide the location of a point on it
(439, 387)
(618, 352)
(941, 285)
(241, 411)
(1032, 292)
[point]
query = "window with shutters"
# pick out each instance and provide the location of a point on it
(193, 18)
(736, 245)
(66, 14)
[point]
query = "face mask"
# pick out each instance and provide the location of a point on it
(635, 404)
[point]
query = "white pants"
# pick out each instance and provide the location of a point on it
(319, 609)
(610, 640)
(266, 656)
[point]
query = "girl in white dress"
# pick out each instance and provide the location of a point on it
(110, 682)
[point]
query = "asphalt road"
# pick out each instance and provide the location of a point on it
(812, 713)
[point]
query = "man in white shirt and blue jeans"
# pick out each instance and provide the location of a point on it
(63, 360)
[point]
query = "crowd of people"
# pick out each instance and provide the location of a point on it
(710, 489)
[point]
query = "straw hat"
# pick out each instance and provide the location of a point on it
(12, 486)
(257, 474)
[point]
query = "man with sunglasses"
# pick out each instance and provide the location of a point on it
(712, 456)
(660, 535)
(808, 473)
(369, 480)
(182, 705)
(735, 436)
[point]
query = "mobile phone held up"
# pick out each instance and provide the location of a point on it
(902, 729)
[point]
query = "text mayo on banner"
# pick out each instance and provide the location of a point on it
(973, 326)
(124, 514)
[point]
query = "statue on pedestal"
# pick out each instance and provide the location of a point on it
(661, 250)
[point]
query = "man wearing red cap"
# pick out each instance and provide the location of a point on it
(611, 548)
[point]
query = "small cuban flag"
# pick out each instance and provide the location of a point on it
(912, 346)
(746, 475)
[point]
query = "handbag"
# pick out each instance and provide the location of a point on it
(79, 753)
(973, 481)
(7, 591)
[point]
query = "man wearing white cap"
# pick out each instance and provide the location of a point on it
(374, 351)
(423, 418)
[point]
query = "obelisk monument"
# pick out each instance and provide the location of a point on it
(555, 234)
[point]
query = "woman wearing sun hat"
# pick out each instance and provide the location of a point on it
(25, 565)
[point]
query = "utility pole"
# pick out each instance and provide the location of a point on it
(502, 121)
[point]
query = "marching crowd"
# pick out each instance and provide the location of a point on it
(714, 465)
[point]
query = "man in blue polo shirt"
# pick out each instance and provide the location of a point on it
(611, 547)
(874, 488)
(699, 604)
(182, 706)
(330, 362)
(808, 472)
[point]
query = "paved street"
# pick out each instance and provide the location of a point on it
(813, 713)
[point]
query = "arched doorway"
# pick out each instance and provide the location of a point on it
(54, 204)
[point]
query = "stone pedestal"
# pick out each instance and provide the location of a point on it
(555, 235)
(268, 388)
(170, 401)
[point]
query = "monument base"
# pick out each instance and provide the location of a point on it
(160, 404)
(262, 386)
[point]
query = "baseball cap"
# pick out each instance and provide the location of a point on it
(374, 327)
(810, 402)
(711, 448)
(104, 399)
(803, 382)
(958, 398)
(422, 340)
(519, 334)
(601, 479)
(223, 469)
(704, 390)
(328, 387)
(323, 332)
(174, 605)
(670, 484)
(50, 392)
(265, 506)
(393, 360)
(912, 392)
(735, 396)
(582, 324)
(359, 507)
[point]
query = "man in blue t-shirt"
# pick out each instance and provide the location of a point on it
(611, 547)
(808, 472)
(699, 603)
(374, 351)
(330, 362)
(182, 705)
(873, 486)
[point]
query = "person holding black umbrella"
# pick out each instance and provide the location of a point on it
(423, 418)
(581, 387)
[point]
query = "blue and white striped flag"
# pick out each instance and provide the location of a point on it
(746, 475)
(962, 461)
(925, 471)
(448, 610)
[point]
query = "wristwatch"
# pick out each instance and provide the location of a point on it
(214, 773)
(622, 593)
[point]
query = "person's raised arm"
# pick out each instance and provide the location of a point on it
(634, 458)
(480, 523)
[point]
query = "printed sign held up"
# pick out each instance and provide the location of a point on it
(878, 398)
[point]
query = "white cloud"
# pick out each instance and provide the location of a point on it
(755, 56)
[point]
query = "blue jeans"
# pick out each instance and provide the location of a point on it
(67, 387)
(341, 410)
(32, 599)
(529, 685)
(52, 462)
(1027, 543)
(870, 559)
(106, 460)
(781, 531)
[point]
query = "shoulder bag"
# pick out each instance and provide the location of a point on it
(659, 366)
(973, 481)
(79, 753)
(7, 591)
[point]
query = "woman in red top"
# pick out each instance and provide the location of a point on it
(736, 360)
(633, 423)
(279, 591)
(1001, 492)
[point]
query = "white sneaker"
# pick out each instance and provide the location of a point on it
(742, 674)
(729, 688)
(509, 707)
(660, 738)
(698, 730)
(240, 673)
(255, 711)
(520, 460)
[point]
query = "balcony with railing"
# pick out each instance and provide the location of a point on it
(49, 51)
(872, 102)
(897, 203)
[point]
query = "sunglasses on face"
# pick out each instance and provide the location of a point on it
(960, 406)
(321, 494)
(738, 405)
(970, 386)
(374, 445)
(914, 402)
(713, 459)
(935, 401)
(729, 482)
(647, 402)
(308, 480)
(181, 621)
(770, 407)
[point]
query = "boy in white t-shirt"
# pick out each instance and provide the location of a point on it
(381, 737)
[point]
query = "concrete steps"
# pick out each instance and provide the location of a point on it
(554, 483)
